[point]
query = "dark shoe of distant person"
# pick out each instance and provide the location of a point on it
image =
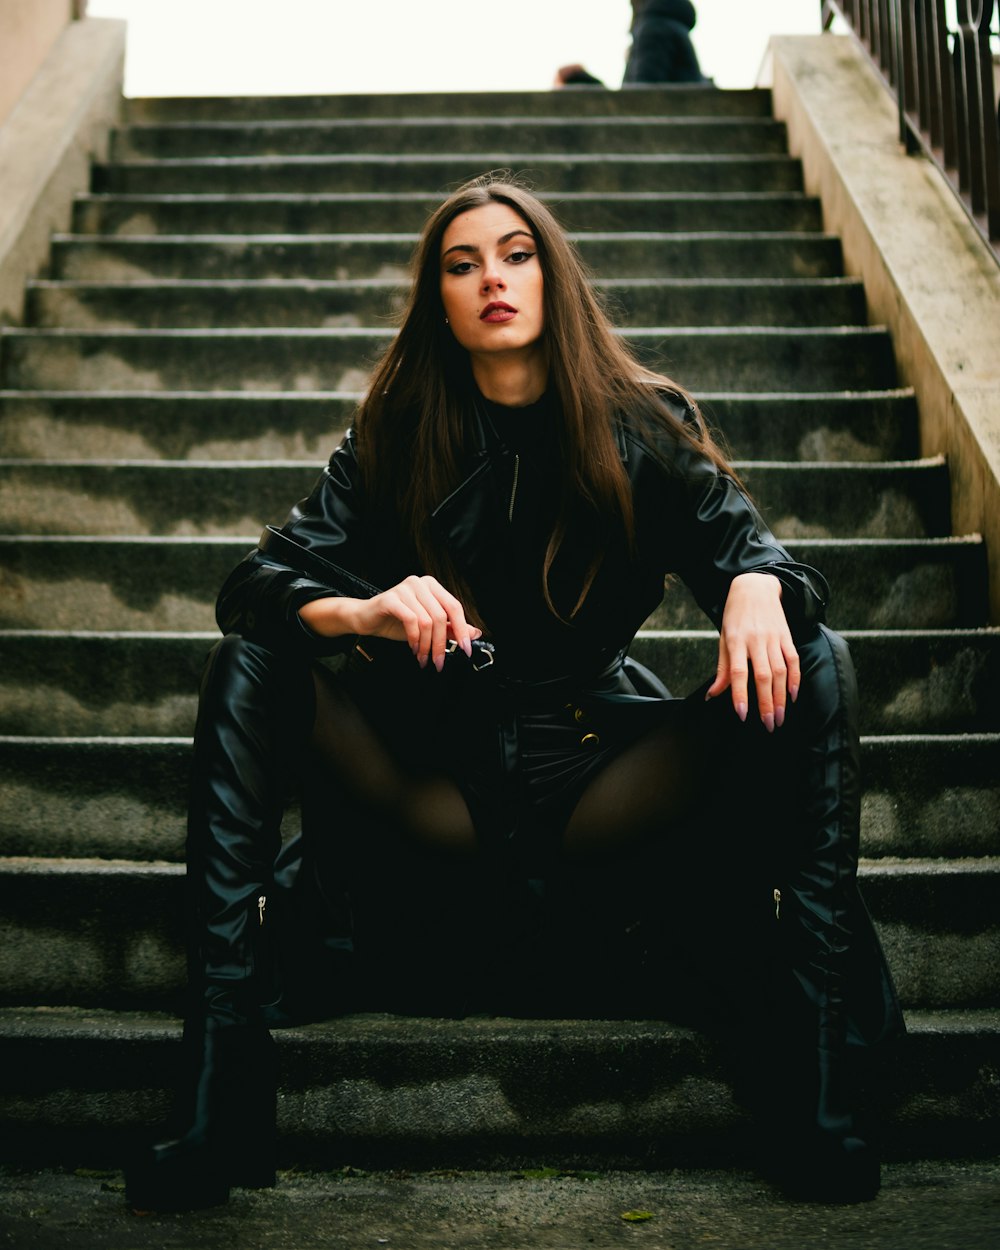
(575, 76)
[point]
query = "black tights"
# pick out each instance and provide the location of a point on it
(440, 920)
(646, 788)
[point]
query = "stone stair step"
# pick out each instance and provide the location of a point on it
(333, 213)
(275, 302)
(172, 583)
(618, 254)
(825, 499)
(937, 921)
(911, 681)
(579, 171)
(93, 683)
(242, 425)
(106, 797)
(87, 684)
(392, 1091)
(862, 425)
(931, 795)
(820, 500)
(85, 932)
(110, 933)
(145, 424)
(120, 797)
(186, 498)
(675, 100)
(728, 358)
(879, 584)
(114, 583)
(413, 134)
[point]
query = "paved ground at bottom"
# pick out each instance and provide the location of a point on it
(923, 1206)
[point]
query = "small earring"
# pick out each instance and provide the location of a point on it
(446, 321)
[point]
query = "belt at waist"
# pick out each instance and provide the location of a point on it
(550, 690)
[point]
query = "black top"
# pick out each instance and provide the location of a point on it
(530, 431)
(529, 638)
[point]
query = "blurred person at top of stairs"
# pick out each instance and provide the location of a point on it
(661, 49)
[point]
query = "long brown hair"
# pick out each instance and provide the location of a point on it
(411, 424)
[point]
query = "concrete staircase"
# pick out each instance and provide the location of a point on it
(188, 364)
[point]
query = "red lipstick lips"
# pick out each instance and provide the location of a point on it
(497, 311)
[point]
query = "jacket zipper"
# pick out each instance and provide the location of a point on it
(261, 905)
(513, 490)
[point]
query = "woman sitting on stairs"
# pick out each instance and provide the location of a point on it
(477, 558)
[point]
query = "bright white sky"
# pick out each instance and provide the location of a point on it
(272, 47)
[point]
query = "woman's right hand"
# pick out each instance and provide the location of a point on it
(418, 611)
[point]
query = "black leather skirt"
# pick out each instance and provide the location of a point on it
(521, 751)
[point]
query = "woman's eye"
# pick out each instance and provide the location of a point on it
(462, 266)
(520, 256)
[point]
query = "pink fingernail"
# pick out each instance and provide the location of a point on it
(793, 692)
(779, 716)
(467, 648)
(768, 719)
(741, 711)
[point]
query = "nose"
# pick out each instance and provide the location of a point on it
(492, 279)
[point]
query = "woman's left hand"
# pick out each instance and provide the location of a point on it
(755, 635)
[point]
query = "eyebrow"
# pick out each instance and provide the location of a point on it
(504, 238)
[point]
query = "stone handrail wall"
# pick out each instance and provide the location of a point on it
(61, 122)
(929, 275)
(28, 31)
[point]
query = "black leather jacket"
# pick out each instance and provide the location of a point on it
(691, 520)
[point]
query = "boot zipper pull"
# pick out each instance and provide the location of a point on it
(777, 904)
(261, 904)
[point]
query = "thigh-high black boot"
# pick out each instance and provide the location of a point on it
(826, 945)
(255, 709)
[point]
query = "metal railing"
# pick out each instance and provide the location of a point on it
(944, 83)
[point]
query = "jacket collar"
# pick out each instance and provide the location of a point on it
(484, 437)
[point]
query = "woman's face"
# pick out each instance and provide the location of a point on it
(491, 281)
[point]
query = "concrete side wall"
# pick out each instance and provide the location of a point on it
(28, 29)
(46, 145)
(927, 274)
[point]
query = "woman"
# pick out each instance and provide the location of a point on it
(485, 544)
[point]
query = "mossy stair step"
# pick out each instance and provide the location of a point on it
(248, 425)
(215, 497)
(278, 212)
(926, 795)
(170, 303)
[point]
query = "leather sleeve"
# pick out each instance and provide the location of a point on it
(261, 597)
(714, 533)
